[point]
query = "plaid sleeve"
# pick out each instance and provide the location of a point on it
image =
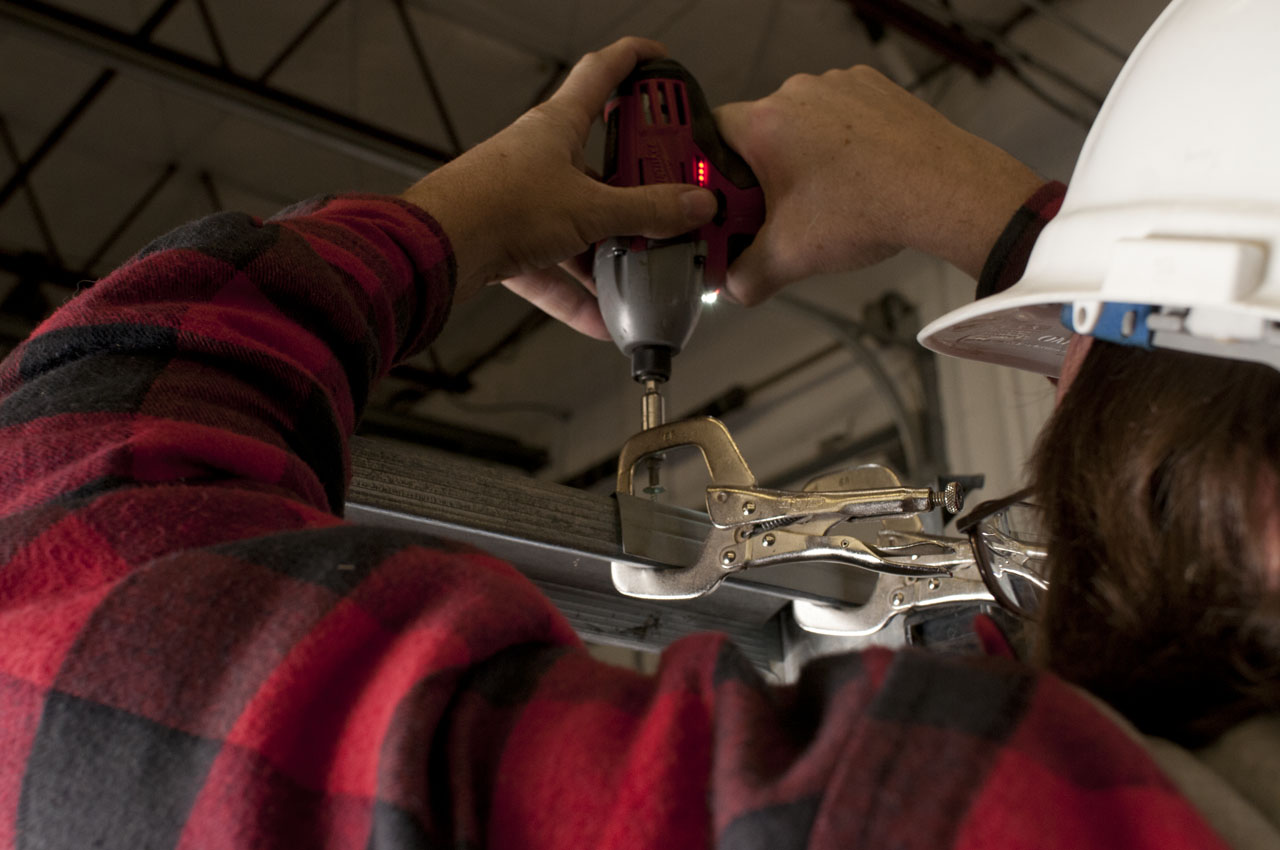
(1008, 258)
(880, 750)
(197, 653)
(231, 351)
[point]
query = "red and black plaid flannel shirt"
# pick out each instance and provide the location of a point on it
(197, 653)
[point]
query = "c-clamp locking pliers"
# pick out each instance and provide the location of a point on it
(756, 527)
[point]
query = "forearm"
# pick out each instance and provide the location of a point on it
(973, 208)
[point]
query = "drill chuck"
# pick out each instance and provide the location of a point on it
(651, 363)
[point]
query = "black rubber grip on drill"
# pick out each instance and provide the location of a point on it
(651, 363)
(705, 132)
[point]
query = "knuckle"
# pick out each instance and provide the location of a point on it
(799, 81)
(867, 74)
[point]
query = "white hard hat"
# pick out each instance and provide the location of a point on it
(1168, 233)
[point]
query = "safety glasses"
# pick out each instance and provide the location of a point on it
(1009, 544)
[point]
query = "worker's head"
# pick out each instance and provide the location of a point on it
(1159, 474)
(1169, 236)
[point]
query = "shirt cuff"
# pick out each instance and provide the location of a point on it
(1008, 258)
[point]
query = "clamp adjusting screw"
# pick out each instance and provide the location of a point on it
(953, 497)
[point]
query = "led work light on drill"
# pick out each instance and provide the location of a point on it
(660, 130)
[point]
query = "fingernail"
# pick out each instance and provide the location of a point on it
(699, 204)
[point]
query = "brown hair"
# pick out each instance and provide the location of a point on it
(1160, 478)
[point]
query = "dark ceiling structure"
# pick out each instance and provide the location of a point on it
(120, 120)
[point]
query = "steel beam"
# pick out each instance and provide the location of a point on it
(564, 540)
(226, 89)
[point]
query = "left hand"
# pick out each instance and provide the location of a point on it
(854, 169)
(520, 203)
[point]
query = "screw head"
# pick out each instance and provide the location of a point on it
(769, 540)
(898, 598)
(722, 496)
(728, 557)
(748, 508)
(934, 584)
(844, 543)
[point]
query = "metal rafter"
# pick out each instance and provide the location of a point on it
(229, 90)
(86, 99)
(211, 30)
(979, 49)
(51, 139)
(952, 44)
(139, 206)
(37, 211)
(1014, 54)
(303, 34)
(428, 78)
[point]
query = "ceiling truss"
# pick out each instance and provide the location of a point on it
(958, 41)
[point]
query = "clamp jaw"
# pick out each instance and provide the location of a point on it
(757, 527)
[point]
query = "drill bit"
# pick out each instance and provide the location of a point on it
(653, 414)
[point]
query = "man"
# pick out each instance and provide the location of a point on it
(198, 652)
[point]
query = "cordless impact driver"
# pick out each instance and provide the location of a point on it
(659, 129)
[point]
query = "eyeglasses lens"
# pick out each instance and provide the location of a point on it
(1013, 548)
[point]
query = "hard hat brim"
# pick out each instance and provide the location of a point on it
(1018, 329)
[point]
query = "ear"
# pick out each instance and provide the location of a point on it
(1077, 349)
(1268, 484)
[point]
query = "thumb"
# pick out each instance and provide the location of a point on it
(755, 276)
(658, 211)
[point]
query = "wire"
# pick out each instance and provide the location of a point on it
(850, 334)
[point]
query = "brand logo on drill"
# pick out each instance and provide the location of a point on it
(656, 169)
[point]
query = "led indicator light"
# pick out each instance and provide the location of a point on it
(709, 297)
(700, 171)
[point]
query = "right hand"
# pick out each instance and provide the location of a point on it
(854, 169)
